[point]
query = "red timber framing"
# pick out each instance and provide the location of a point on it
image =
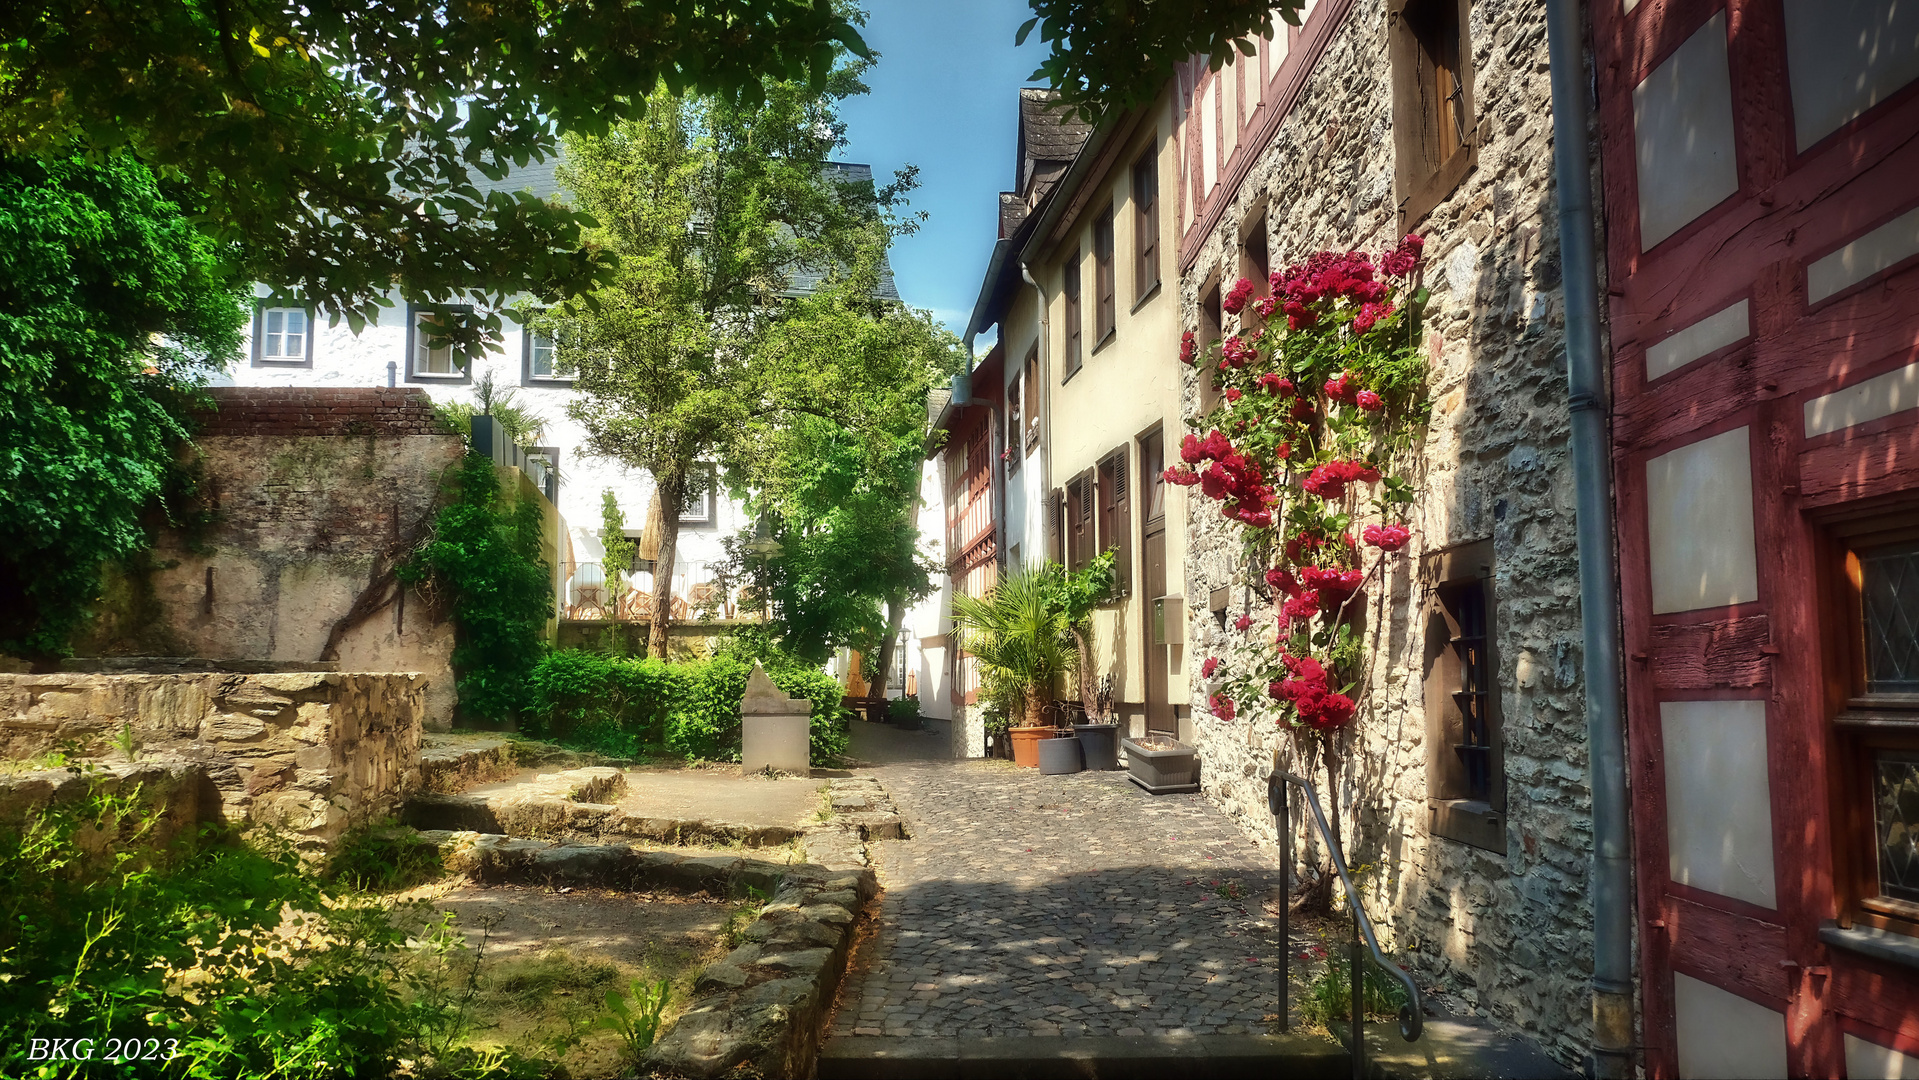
(1790, 209)
(974, 477)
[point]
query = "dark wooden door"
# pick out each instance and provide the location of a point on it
(1152, 584)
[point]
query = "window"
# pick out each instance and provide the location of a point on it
(541, 359)
(1115, 518)
(1255, 266)
(1212, 316)
(1032, 397)
(1082, 514)
(702, 497)
(1465, 770)
(1069, 290)
(1104, 316)
(427, 362)
(1152, 462)
(1432, 103)
(1014, 452)
(282, 335)
(1146, 224)
(1877, 727)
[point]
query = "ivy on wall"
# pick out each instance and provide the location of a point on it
(483, 564)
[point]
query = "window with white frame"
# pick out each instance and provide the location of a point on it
(542, 359)
(283, 336)
(428, 358)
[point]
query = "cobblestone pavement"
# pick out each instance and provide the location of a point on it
(1063, 905)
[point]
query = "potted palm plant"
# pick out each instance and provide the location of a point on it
(1021, 638)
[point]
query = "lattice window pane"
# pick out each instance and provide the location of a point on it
(1895, 812)
(1891, 608)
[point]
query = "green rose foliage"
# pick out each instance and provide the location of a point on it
(687, 708)
(112, 308)
(485, 556)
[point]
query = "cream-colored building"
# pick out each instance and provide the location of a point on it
(1084, 384)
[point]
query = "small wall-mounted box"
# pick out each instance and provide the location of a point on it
(1169, 620)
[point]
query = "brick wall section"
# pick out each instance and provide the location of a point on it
(291, 410)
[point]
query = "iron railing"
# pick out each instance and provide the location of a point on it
(1364, 941)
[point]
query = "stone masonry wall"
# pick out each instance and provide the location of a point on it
(1510, 934)
(315, 494)
(315, 753)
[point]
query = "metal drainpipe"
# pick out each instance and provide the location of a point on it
(1612, 993)
(1046, 387)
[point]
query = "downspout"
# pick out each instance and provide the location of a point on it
(1611, 886)
(1046, 391)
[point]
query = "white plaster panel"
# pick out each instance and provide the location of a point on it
(1895, 241)
(1699, 522)
(1682, 128)
(1870, 1061)
(1718, 799)
(1844, 57)
(1278, 45)
(1715, 331)
(1723, 1035)
(1883, 395)
(1209, 135)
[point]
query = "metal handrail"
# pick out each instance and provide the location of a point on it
(1411, 1013)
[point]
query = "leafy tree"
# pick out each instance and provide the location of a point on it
(837, 475)
(713, 208)
(112, 308)
(1107, 54)
(345, 147)
(619, 550)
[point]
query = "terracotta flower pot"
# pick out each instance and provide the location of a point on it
(1026, 744)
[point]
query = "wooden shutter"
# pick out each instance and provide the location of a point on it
(1146, 223)
(1210, 330)
(1080, 511)
(1055, 526)
(1119, 523)
(1105, 309)
(1074, 320)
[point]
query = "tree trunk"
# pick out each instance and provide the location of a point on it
(876, 693)
(1035, 706)
(1088, 691)
(671, 491)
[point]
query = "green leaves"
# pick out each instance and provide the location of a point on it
(333, 144)
(1118, 54)
(485, 555)
(112, 308)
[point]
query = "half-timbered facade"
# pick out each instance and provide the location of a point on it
(1761, 171)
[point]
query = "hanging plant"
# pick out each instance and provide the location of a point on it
(1314, 429)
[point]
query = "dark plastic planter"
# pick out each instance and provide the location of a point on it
(1099, 744)
(1059, 756)
(1162, 772)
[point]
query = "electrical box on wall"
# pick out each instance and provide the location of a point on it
(1169, 620)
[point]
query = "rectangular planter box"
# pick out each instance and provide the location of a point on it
(1162, 772)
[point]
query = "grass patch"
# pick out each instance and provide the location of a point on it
(384, 857)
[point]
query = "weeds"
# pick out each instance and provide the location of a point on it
(1328, 997)
(734, 932)
(124, 741)
(636, 1021)
(383, 857)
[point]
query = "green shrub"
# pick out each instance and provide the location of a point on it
(105, 935)
(485, 557)
(1329, 998)
(625, 706)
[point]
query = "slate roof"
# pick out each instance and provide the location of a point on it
(1046, 132)
(1012, 213)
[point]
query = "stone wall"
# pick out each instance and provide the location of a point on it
(1511, 934)
(315, 495)
(315, 753)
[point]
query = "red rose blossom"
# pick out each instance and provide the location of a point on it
(1206, 670)
(1237, 296)
(1369, 401)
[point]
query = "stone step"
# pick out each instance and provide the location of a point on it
(1448, 1049)
(1085, 1057)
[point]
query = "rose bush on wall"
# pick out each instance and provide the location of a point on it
(1318, 414)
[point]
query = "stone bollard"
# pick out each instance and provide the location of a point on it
(774, 728)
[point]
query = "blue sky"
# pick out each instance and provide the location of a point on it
(945, 97)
